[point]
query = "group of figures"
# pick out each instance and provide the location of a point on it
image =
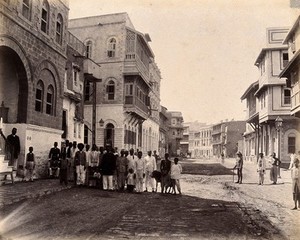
(274, 172)
(109, 169)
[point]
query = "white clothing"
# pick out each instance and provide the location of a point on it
(261, 164)
(150, 163)
(93, 159)
(107, 182)
(80, 174)
(176, 170)
(292, 156)
(131, 162)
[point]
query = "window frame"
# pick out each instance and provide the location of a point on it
(27, 7)
(40, 87)
(45, 20)
(50, 104)
(59, 32)
(111, 48)
(110, 94)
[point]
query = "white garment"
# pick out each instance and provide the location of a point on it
(150, 163)
(176, 170)
(131, 162)
(80, 174)
(261, 164)
(107, 182)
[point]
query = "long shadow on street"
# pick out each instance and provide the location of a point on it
(85, 213)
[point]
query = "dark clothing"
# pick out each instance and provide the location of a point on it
(108, 164)
(63, 176)
(80, 158)
(54, 156)
(165, 167)
(30, 157)
(14, 145)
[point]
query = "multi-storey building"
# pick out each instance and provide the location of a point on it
(175, 132)
(273, 101)
(163, 131)
(33, 52)
(292, 73)
(200, 143)
(184, 142)
(251, 135)
(127, 102)
(226, 136)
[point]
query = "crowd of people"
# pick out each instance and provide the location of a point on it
(111, 170)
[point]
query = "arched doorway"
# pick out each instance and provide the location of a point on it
(13, 86)
(109, 135)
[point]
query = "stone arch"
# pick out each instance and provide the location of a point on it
(46, 64)
(15, 62)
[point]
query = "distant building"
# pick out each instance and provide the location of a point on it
(163, 131)
(175, 132)
(226, 136)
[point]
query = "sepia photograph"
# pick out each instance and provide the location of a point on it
(149, 119)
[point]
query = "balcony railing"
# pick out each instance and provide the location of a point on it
(90, 67)
(75, 43)
(135, 103)
(134, 65)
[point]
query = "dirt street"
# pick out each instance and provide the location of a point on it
(211, 207)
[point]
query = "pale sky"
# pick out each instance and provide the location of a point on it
(205, 49)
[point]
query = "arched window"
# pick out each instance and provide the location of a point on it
(109, 134)
(49, 100)
(110, 90)
(45, 17)
(59, 29)
(88, 49)
(26, 9)
(111, 49)
(39, 96)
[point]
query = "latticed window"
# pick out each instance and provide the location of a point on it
(49, 100)
(45, 17)
(130, 42)
(39, 92)
(59, 29)
(110, 90)
(26, 9)
(111, 50)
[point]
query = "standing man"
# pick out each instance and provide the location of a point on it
(14, 148)
(54, 158)
(165, 168)
(150, 166)
(80, 163)
(108, 167)
(140, 172)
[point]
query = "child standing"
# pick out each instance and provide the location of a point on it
(30, 164)
(130, 180)
(296, 183)
(176, 170)
(261, 168)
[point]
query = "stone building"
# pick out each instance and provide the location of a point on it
(226, 136)
(268, 100)
(33, 53)
(127, 101)
(163, 131)
(292, 72)
(175, 133)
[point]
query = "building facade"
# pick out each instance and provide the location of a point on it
(163, 131)
(127, 99)
(269, 99)
(33, 52)
(226, 136)
(175, 132)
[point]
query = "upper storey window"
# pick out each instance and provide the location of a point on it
(111, 50)
(88, 49)
(26, 9)
(110, 90)
(45, 17)
(59, 29)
